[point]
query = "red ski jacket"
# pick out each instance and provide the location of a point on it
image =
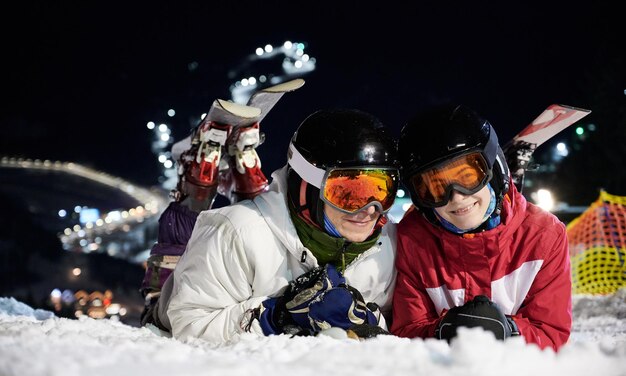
(522, 264)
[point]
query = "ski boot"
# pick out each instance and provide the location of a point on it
(245, 179)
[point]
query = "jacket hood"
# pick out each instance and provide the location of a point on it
(273, 206)
(514, 210)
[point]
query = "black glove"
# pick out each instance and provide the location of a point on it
(289, 312)
(364, 331)
(479, 312)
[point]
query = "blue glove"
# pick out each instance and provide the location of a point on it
(342, 306)
(289, 312)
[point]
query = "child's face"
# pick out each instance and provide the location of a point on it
(466, 211)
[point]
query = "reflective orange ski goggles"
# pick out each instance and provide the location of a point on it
(466, 174)
(353, 189)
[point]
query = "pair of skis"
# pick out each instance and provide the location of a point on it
(238, 115)
(549, 123)
(220, 156)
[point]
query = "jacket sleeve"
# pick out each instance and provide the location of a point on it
(386, 269)
(212, 284)
(414, 314)
(386, 309)
(545, 317)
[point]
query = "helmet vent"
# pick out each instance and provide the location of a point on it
(457, 146)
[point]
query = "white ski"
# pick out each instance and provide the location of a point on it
(550, 122)
(267, 98)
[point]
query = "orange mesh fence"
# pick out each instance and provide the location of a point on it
(596, 245)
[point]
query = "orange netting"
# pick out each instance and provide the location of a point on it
(596, 245)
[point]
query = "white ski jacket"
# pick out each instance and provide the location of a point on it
(240, 255)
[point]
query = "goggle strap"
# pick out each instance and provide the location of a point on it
(307, 171)
(302, 195)
(303, 211)
(381, 221)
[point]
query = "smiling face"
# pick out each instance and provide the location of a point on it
(466, 212)
(354, 227)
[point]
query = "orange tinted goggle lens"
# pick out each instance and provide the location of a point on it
(467, 172)
(352, 189)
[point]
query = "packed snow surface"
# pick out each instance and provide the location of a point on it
(35, 342)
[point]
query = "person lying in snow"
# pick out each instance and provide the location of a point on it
(474, 252)
(313, 252)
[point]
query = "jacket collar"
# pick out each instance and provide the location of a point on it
(486, 243)
(329, 249)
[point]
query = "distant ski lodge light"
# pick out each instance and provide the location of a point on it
(544, 199)
(295, 63)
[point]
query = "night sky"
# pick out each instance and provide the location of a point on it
(80, 81)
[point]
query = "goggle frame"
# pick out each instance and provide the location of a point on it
(317, 177)
(447, 193)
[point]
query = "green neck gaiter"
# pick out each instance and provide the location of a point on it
(328, 249)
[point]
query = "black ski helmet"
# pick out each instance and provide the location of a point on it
(443, 133)
(337, 138)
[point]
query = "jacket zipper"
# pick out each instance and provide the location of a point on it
(344, 248)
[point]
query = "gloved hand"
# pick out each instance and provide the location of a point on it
(343, 307)
(479, 312)
(289, 312)
(365, 331)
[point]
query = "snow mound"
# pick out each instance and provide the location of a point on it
(59, 346)
(10, 306)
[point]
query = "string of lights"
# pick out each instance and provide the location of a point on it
(88, 235)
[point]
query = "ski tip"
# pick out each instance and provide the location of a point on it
(285, 86)
(239, 109)
(570, 107)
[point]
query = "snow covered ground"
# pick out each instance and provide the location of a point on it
(35, 342)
